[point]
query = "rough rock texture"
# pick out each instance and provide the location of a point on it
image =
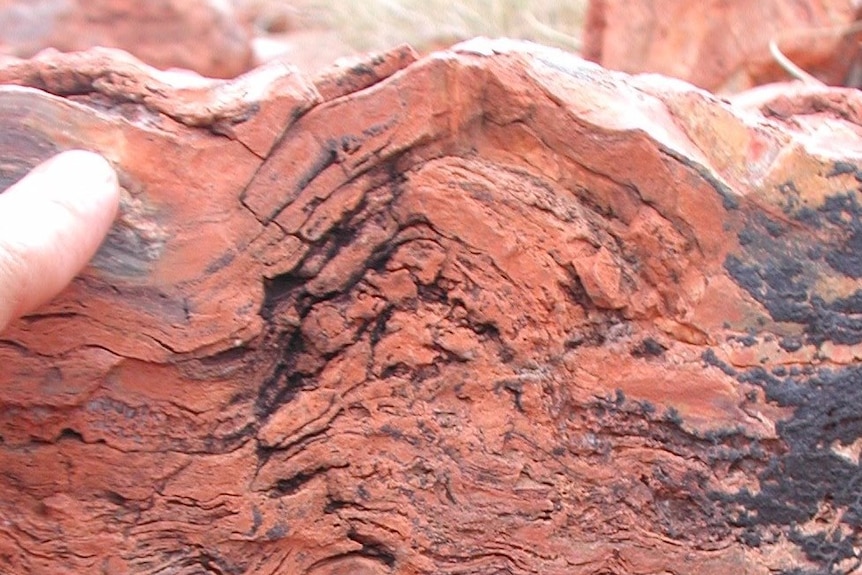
(723, 46)
(496, 310)
(201, 35)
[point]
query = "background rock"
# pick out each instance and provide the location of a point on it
(310, 51)
(723, 46)
(200, 35)
(494, 310)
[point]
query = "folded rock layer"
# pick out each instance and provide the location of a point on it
(496, 310)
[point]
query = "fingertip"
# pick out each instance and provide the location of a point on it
(51, 224)
(82, 181)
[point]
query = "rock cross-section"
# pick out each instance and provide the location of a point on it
(496, 310)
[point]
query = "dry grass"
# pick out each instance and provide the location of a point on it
(379, 24)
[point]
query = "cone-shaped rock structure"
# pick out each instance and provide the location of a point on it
(496, 310)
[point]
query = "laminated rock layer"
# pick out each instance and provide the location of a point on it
(497, 310)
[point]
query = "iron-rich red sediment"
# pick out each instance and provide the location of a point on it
(495, 310)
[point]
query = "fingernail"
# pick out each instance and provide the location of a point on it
(84, 164)
(81, 180)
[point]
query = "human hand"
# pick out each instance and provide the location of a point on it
(51, 224)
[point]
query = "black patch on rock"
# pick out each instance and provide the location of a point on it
(809, 477)
(649, 347)
(780, 266)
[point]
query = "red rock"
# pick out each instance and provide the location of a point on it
(723, 46)
(200, 35)
(496, 310)
(293, 32)
(309, 50)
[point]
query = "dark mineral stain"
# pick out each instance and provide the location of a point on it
(21, 148)
(809, 477)
(781, 267)
(648, 348)
(841, 168)
(844, 211)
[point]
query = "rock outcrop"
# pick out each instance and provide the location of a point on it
(200, 35)
(496, 310)
(724, 46)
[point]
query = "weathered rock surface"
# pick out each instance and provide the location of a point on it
(496, 310)
(200, 35)
(723, 46)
